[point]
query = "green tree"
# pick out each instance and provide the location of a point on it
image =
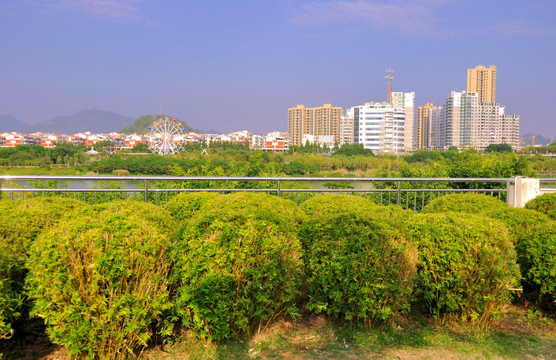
(501, 148)
(353, 149)
(141, 148)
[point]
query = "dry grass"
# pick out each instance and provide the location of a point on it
(518, 334)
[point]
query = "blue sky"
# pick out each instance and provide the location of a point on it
(232, 65)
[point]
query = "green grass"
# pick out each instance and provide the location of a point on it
(13, 170)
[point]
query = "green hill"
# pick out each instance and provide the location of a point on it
(143, 122)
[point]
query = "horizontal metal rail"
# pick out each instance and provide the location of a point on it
(547, 184)
(401, 191)
(246, 178)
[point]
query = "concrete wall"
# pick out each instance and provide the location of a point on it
(523, 190)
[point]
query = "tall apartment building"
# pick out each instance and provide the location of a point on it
(346, 130)
(451, 122)
(495, 127)
(323, 120)
(470, 111)
(422, 126)
(482, 80)
(437, 128)
(472, 118)
(297, 124)
(379, 127)
(407, 102)
(509, 130)
(465, 122)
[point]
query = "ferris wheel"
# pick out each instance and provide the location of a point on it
(166, 136)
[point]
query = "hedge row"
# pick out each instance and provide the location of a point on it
(100, 278)
(358, 267)
(21, 223)
(533, 234)
(237, 262)
(545, 203)
(109, 278)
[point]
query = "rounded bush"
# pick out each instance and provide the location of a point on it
(531, 234)
(328, 204)
(520, 222)
(184, 205)
(529, 230)
(537, 259)
(21, 222)
(357, 267)
(10, 299)
(468, 203)
(545, 203)
(238, 265)
(99, 278)
(466, 265)
(334, 203)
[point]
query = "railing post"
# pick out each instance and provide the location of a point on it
(399, 192)
(510, 192)
(523, 190)
(146, 190)
(278, 187)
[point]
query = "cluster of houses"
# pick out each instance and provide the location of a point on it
(273, 141)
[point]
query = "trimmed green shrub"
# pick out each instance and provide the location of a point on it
(184, 205)
(468, 203)
(537, 259)
(329, 204)
(21, 222)
(100, 278)
(10, 299)
(238, 265)
(466, 265)
(545, 203)
(335, 203)
(530, 231)
(520, 222)
(351, 246)
(357, 267)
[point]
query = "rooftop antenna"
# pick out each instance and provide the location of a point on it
(389, 77)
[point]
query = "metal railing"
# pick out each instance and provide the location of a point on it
(412, 193)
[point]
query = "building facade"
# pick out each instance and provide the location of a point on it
(482, 80)
(464, 122)
(380, 127)
(437, 128)
(323, 120)
(407, 102)
(346, 130)
(422, 127)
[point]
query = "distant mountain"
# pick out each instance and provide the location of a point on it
(539, 139)
(8, 124)
(211, 131)
(142, 123)
(93, 120)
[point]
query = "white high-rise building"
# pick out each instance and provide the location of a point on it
(407, 102)
(379, 127)
(437, 128)
(346, 130)
(465, 122)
